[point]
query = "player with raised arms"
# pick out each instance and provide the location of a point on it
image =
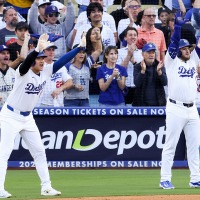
(16, 114)
(181, 62)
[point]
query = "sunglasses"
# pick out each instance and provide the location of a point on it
(53, 14)
(154, 16)
(135, 7)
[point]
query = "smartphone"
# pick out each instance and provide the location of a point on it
(99, 62)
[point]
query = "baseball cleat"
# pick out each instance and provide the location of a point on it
(167, 185)
(194, 184)
(50, 192)
(4, 194)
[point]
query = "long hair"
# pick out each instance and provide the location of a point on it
(89, 45)
(107, 51)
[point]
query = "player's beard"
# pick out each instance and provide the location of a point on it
(185, 58)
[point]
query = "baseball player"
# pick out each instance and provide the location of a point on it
(181, 110)
(61, 80)
(16, 114)
(7, 74)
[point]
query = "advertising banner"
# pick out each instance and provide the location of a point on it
(100, 138)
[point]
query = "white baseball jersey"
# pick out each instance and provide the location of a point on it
(198, 91)
(28, 88)
(107, 19)
(122, 53)
(6, 84)
(54, 82)
(106, 35)
(182, 77)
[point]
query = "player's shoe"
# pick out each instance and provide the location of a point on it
(194, 184)
(50, 192)
(4, 194)
(166, 185)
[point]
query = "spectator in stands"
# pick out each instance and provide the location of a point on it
(196, 17)
(94, 50)
(94, 14)
(150, 79)
(128, 57)
(120, 13)
(15, 47)
(11, 19)
(53, 93)
(111, 78)
(151, 34)
(42, 4)
(83, 19)
(187, 31)
(7, 77)
(163, 16)
(50, 26)
(83, 4)
(78, 94)
(133, 8)
(21, 6)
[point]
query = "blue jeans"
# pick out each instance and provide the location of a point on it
(76, 102)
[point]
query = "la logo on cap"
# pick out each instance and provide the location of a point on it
(150, 45)
(53, 8)
(4, 46)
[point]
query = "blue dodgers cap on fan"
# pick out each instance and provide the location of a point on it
(41, 54)
(51, 9)
(3, 48)
(148, 47)
(183, 43)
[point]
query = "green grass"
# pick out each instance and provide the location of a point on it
(25, 184)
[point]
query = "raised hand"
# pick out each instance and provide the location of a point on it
(97, 32)
(179, 19)
(43, 42)
(143, 67)
(159, 67)
(83, 40)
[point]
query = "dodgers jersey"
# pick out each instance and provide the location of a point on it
(28, 88)
(54, 82)
(182, 77)
(6, 84)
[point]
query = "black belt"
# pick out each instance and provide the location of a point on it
(188, 105)
(26, 113)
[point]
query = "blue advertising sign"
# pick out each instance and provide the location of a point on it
(126, 137)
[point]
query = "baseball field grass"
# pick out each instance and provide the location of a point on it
(25, 184)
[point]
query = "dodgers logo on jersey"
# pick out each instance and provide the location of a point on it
(186, 72)
(31, 89)
(56, 76)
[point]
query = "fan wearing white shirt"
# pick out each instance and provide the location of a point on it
(56, 84)
(107, 19)
(94, 14)
(128, 57)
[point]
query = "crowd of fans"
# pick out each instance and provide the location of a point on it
(123, 62)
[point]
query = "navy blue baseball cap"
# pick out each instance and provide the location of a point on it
(148, 47)
(41, 54)
(184, 43)
(51, 9)
(3, 48)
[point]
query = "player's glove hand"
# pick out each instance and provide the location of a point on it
(179, 20)
(43, 42)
